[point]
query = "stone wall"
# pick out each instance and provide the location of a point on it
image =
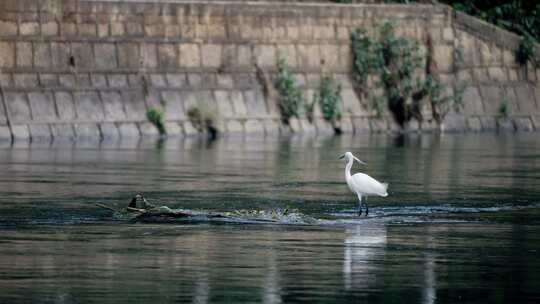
(87, 69)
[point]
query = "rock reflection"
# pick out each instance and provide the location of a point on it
(363, 245)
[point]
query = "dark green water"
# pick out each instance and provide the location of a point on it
(461, 222)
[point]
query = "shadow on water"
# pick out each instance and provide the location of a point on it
(461, 218)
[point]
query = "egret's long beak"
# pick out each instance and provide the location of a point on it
(342, 156)
(359, 161)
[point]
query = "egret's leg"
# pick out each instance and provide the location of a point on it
(359, 204)
(365, 204)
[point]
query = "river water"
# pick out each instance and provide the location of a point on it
(461, 222)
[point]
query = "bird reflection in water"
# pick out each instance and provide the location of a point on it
(363, 245)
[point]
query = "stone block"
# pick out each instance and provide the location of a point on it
(40, 132)
(24, 54)
(49, 28)
(134, 29)
(8, 28)
(87, 131)
(454, 123)
(117, 29)
(60, 55)
(443, 57)
(42, 106)
(345, 58)
(20, 132)
(105, 55)
(254, 126)
(492, 97)
(167, 56)
(62, 132)
(523, 124)
(174, 109)
(245, 56)
(5, 134)
(474, 124)
(211, 55)
(505, 125)
(128, 130)
(378, 125)
(488, 123)
(65, 105)
(265, 56)
(189, 56)
(42, 55)
(525, 99)
(287, 52)
(25, 80)
(88, 106)
(306, 126)
(113, 106)
(346, 125)
(255, 104)
(18, 107)
(323, 127)
(7, 49)
(238, 103)
(234, 126)
(86, 29)
(497, 74)
(148, 129)
(195, 80)
(173, 129)
(129, 55)
(108, 130)
(361, 125)
(68, 29)
(48, 80)
(158, 80)
(189, 129)
(134, 104)
(149, 55)
(294, 124)
(117, 80)
(224, 106)
(28, 28)
(351, 103)
(84, 57)
(330, 55)
(6, 80)
(225, 81)
(472, 101)
(67, 80)
(177, 80)
(271, 127)
(99, 80)
(536, 122)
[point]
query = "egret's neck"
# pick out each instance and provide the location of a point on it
(348, 169)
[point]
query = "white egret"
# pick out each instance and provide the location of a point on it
(362, 184)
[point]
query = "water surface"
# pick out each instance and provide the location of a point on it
(460, 223)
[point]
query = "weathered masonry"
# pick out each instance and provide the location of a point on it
(75, 69)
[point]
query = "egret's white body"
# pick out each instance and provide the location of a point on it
(362, 184)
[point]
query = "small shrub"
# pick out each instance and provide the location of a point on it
(290, 95)
(504, 108)
(526, 51)
(328, 96)
(156, 117)
(203, 117)
(398, 63)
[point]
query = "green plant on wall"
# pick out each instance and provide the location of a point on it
(203, 117)
(404, 81)
(157, 118)
(328, 96)
(527, 51)
(504, 108)
(290, 96)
